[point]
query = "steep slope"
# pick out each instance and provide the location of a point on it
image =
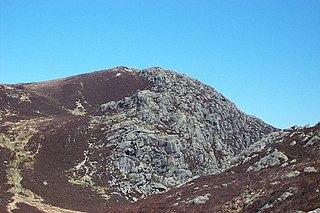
(279, 173)
(90, 142)
(172, 132)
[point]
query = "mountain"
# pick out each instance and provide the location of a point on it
(152, 140)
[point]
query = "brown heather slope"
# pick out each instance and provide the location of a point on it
(36, 121)
(91, 90)
(5, 155)
(77, 94)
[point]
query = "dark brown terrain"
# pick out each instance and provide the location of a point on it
(55, 153)
(36, 120)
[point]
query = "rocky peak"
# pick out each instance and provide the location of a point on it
(175, 130)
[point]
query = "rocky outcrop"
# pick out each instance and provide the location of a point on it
(283, 178)
(272, 159)
(167, 135)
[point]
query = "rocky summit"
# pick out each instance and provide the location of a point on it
(152, 140)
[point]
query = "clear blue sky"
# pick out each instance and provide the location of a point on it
(264, 55)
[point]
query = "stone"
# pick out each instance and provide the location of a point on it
(159, 187)
(309, 169)
(293, 161)
(293, 174)
(200, 199)
(293, 143)
(224, 185)
(275, 158)
(108, 106)
(284, 196)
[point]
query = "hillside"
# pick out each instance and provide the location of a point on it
(128, 140)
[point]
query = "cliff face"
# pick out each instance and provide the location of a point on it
(97, 140)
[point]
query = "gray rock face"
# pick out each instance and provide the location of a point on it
(165, 136)
(257, 147)
(275, 158)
